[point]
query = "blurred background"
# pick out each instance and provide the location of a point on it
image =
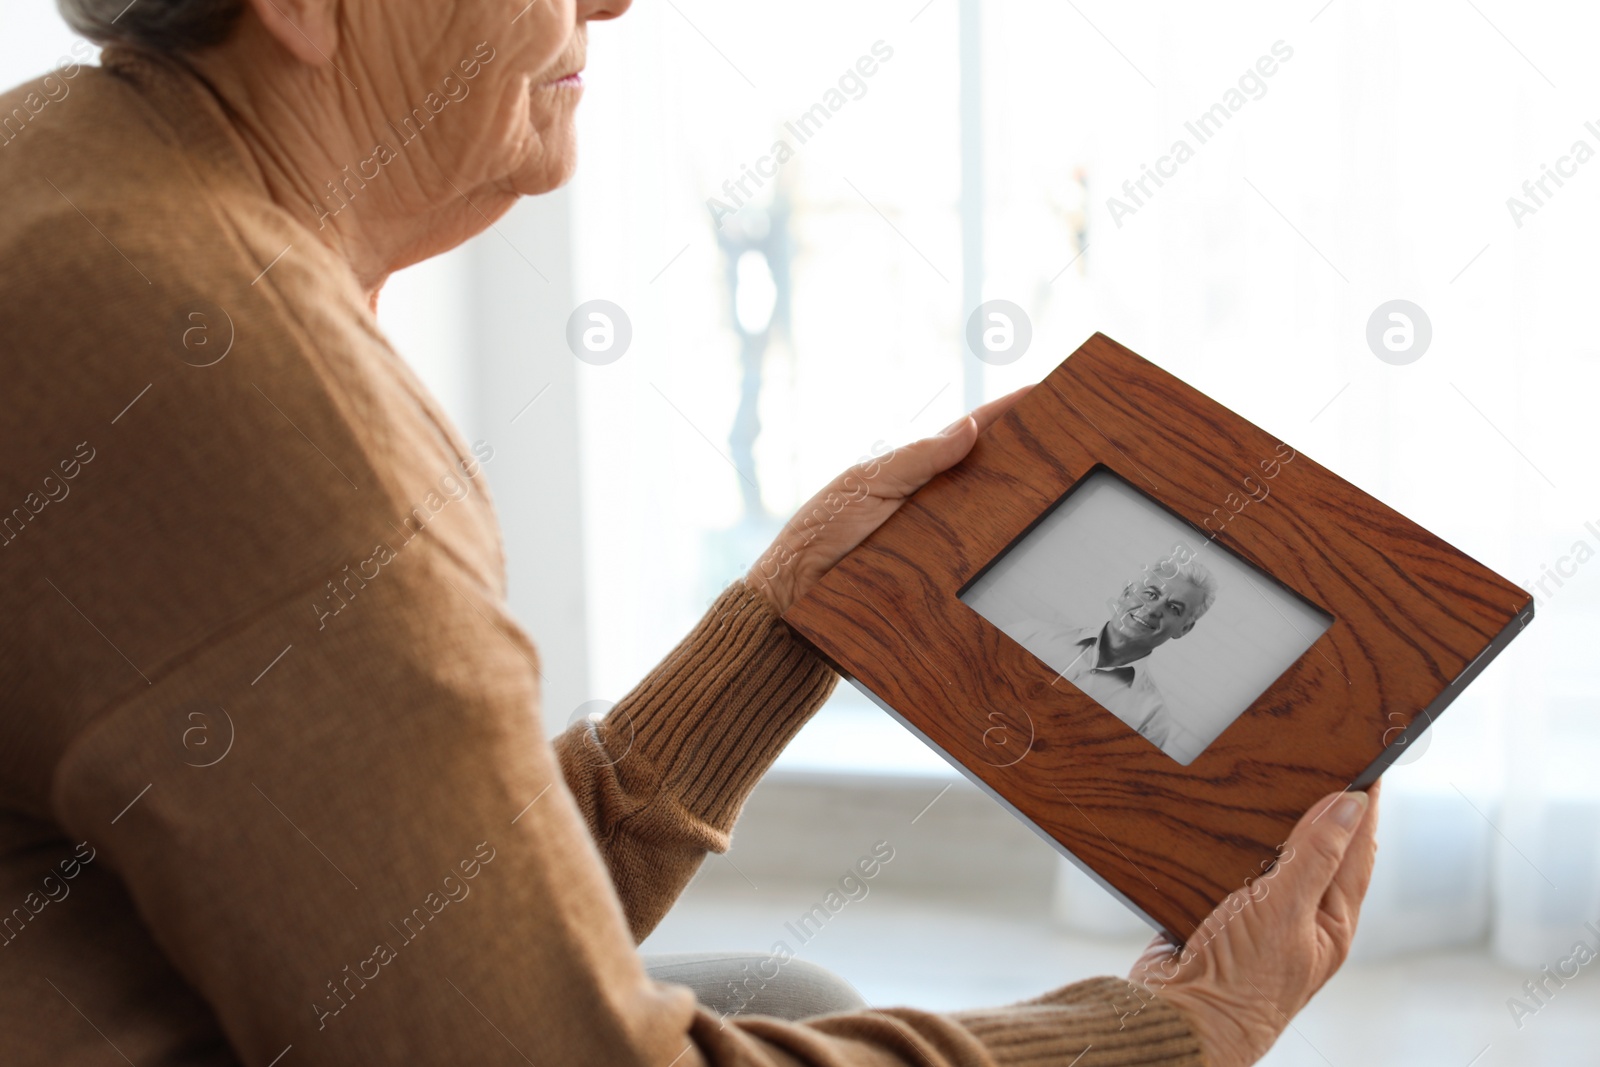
(938, 156)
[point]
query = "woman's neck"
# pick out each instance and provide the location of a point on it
(310, 137)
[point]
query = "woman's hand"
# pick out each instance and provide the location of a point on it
(1269, 947)
(847, 509)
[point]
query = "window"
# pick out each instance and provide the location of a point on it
(780, 225)
(788, 314)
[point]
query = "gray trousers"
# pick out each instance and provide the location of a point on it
(735, 983)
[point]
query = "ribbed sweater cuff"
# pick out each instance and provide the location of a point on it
(717, 711)
(1103, 1022)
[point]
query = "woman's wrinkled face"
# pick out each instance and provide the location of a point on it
(474, 93)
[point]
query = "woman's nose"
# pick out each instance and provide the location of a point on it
(600, 10)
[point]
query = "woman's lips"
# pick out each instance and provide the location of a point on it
(573, 80)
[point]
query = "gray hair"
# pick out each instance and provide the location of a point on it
(1172, 568)
(160, 25)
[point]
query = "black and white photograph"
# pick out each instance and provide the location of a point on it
(1154, 621)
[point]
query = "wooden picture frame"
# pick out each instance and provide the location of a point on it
(1413, 621)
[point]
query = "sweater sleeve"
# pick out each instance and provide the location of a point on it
(661, 779)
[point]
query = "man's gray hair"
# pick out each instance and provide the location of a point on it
(1172, 568)
(159, 25)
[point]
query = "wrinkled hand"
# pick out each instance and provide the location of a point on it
(847, 509)
(1270, 946)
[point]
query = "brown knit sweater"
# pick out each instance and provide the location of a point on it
(273, 788)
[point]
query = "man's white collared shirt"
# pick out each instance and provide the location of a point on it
(1128, 692)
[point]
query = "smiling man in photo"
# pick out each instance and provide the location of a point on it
(1109, 662)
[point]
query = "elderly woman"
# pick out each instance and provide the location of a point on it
(274, 788)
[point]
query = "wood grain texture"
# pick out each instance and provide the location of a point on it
(1411, 615)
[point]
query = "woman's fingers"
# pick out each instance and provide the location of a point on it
(1342, 901)
(1268, 954)
(1317, 845)
(912, 466)
(849, 508)
(984, 414)
(1308, 899)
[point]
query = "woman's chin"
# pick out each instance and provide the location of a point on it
(551, 164)
(543, 180)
